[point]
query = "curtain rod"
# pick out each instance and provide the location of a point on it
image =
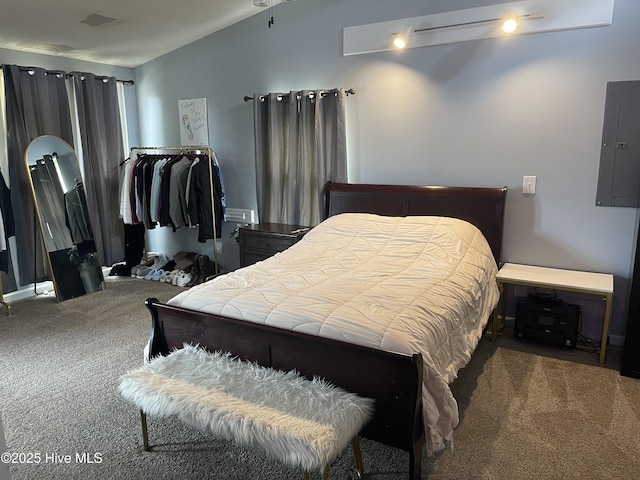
(69, 75)
(125, 82)
(351, 91)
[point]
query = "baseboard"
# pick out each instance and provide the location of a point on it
(42, 288)
(617, 340)
(28, 292)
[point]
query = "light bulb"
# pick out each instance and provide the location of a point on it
(400, 42)
(510, 24)
(401, 39)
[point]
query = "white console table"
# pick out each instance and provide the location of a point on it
(554, 278)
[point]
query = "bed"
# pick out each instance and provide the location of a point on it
(387, 298)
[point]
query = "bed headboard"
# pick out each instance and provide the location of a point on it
(483, 207)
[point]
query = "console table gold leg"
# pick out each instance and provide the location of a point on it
(605, 326)
(145, 434)
(502, 306)
(357, 453)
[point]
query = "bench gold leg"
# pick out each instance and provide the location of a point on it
(325, 474)
(145, 435)
(357, 453)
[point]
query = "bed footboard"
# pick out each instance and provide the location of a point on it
(392, 380)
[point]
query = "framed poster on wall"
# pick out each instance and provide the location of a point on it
(194, 129)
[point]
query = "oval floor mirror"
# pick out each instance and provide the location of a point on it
(61, 208)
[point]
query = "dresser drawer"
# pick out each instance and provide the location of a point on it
(258, 242)
(266, 243)
(248, 258)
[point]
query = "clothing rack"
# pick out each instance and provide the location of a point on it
(196, 150)
(351, 91)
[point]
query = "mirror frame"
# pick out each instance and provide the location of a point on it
(39, 214)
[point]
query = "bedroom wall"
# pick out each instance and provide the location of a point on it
(477, 113)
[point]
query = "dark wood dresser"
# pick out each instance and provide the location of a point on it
(263, 240)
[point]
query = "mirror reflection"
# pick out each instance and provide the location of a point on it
(61, 208)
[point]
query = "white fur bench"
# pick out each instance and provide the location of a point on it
(303, 423)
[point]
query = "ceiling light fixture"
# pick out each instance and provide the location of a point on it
(478, 23)
(401, 39)
(508, 23)
(268, 3)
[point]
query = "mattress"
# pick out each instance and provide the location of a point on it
(408, 285)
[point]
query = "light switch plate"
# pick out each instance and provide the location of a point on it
(529, 185)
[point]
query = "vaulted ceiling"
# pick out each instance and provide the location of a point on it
(116, 32)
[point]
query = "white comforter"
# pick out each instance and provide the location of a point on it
(401, 284)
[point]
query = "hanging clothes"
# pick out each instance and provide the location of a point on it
(177, 188)
(173, 191)
(200, 205)
(7, 223)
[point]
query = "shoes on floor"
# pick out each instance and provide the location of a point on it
(157, 267)
(142, 272)
(201, 270)
(146, 262)
(183, 279)
(176, 276)
(159, 261)
(171, 276)
(156, 276)
(207, 268)
(150, 274)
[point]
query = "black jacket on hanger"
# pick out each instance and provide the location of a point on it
(200, 208)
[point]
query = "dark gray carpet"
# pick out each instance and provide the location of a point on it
(527, 412)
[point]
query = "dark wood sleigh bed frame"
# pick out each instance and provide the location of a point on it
(393, 380)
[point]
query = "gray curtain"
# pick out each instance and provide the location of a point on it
(36, 104)
(103, 151)
(300, 143)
